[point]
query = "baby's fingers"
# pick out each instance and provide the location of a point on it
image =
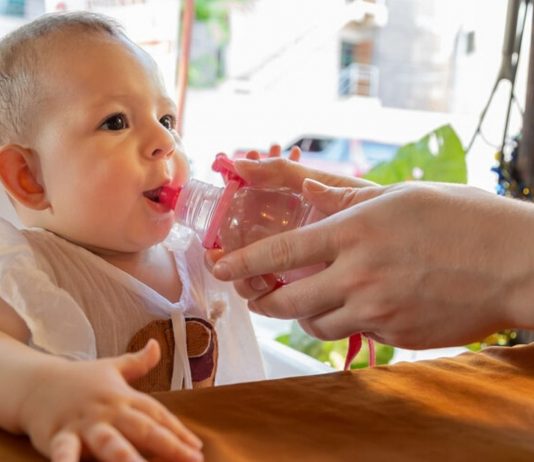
(155, 439)
(65, 446)
(135, 365)
(164, 417)
(107, 444)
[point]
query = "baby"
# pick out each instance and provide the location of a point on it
(87, 141)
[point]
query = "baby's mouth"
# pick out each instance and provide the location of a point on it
(164, 195)
(153, 194)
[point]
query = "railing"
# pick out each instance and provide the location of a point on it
(302, 48)
(359, 79)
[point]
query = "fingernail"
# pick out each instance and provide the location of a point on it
(196, 456)
(221, 271)
(258, 284)
(211, 257)
(195, 441)
(314, 186)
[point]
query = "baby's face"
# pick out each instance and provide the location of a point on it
(106, 145)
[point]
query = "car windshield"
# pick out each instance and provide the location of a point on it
(344, 150)
(314, 145)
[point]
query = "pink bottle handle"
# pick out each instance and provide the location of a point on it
(211, 239)
(355, 345)
(223, 165)
(233, 181)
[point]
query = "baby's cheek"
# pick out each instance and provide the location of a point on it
(181, 166)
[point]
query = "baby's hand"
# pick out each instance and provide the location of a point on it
(88, 407)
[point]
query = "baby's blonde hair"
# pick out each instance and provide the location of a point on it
(21, 55)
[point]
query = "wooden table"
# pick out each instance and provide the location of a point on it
(476, 407)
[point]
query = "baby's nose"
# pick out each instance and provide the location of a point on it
(165, 151)
(163, 144)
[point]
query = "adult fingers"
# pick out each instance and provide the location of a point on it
(249, 289)
(135, 365)
(297, 248)
(330, 200)
(273, 171)
(334, 324)
(294, 154)
(154, 438)
(65, 446)
(257, 286)
(253, 155)
(212, 256)
(284, 172)
(275, 151)
(305, 298)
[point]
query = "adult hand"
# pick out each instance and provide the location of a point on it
(88, 407)
(279, 172)
(416, 265)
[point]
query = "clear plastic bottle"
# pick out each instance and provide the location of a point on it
(235, 218)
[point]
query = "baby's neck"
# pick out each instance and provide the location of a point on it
(154, 267)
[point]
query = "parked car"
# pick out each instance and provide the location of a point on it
(337, 155)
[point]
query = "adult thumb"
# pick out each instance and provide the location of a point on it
(135, 365)
(330, 200)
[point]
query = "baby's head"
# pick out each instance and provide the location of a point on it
(87, 133)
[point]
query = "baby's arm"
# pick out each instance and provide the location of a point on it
(73, 407)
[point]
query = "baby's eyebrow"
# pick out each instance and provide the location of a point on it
(104, 100)
(169, 102)
(127, 99)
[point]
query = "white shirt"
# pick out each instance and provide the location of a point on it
(77, 305)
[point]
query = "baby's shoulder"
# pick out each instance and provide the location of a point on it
(25, 247)
(14, 247)
(9, 233)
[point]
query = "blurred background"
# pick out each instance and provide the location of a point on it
(348, 81)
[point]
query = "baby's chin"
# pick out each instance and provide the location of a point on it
(116, 238)
(119, 247)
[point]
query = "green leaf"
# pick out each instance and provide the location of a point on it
(438, 156)
(332, 353)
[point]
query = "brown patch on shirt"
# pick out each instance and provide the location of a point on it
(202, 350)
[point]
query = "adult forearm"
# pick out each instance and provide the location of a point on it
(516, 245)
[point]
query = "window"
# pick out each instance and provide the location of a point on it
(12, 7)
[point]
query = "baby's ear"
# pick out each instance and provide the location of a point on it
(18, 170)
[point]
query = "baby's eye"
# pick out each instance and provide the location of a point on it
(115, 122)
(168, 121)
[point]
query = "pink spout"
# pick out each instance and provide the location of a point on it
(169, 196)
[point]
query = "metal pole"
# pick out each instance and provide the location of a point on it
(526, 146)
(188, 17)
